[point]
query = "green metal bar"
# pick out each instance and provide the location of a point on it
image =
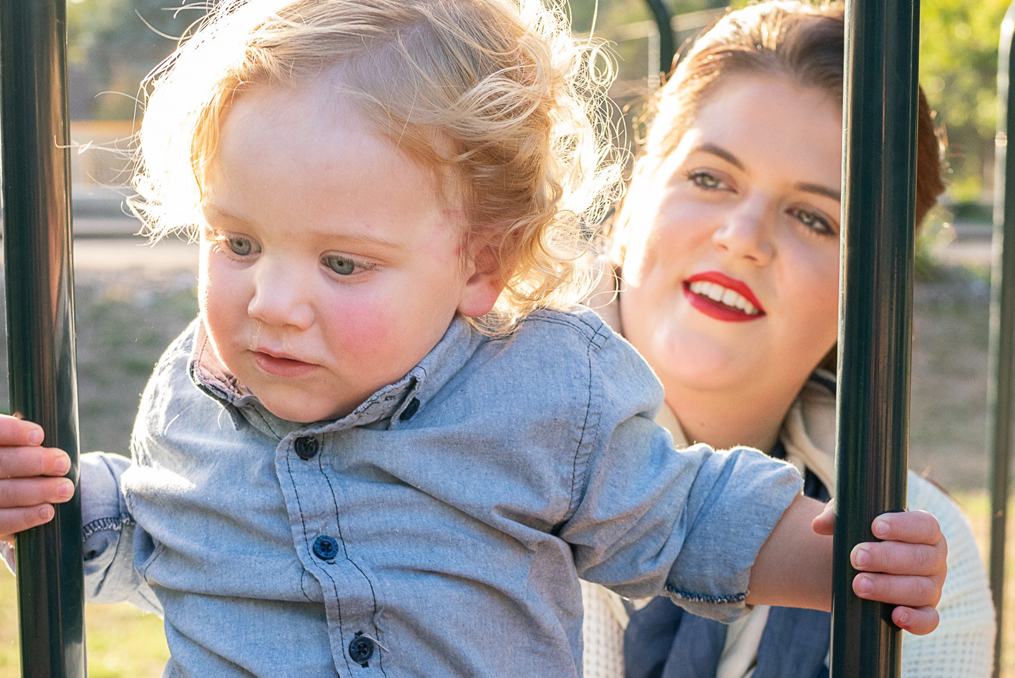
(1002, 325)
(40, 317)
(875, 328)
(666, 41)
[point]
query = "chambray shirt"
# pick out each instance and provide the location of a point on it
(438, 530)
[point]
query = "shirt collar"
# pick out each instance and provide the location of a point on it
(393, 401)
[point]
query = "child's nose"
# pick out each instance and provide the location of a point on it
(281, 299)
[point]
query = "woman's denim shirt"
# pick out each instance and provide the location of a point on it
(438, 530)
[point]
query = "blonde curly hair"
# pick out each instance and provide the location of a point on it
(496, 95)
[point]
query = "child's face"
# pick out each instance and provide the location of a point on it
(329, 267)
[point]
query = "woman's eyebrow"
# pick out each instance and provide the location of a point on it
(720, 152)
(832, 193)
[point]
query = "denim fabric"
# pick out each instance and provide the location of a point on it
(438, 530)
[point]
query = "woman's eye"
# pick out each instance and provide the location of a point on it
(707, 180)
(814, 221)
(340, 265)
(240, 246)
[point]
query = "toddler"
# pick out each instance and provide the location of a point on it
(390, 445)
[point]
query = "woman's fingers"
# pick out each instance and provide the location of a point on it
(918, 621)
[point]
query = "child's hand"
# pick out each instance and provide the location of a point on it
(906, 569)
(30, 479)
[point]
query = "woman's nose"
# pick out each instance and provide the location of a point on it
(745, 232)
(281, 298)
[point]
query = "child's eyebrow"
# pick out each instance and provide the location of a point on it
(351, 237)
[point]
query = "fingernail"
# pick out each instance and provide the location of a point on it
(65, 490)
(864, 585)
(881, 528)
(862, 557)
(36, 436)
(61, 463)
(46, 512)
(902, 619)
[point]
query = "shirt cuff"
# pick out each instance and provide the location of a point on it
(710, 577)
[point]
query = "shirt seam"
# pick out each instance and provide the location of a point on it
(704, 598)
(107, 524)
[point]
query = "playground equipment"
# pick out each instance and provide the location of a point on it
(40, 317)
(1001, 393)
(874, 340)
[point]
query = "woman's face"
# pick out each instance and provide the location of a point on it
(731, 272)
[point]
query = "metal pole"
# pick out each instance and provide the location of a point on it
(666, 42)
(875, 322)
(40, 317)
(1002, 326)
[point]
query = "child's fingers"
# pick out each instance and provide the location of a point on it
(899, 558)
(16, 432)
(824, 522)
(28, 492)
(14, 520)
(899, 590)
(918, 621)
(24, 462)
(914, 527)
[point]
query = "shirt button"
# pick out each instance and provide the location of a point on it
(306, 448)
(361, 649)
(409, 410)
(325, 547)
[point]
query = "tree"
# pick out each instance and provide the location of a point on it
(958, 70)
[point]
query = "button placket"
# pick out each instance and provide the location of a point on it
(306, 447)
(325, 547)
(361, 649)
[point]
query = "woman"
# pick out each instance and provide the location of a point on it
(727, 253)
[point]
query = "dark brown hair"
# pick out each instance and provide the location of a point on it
(796, 40)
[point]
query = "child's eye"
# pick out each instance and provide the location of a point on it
(240, 246)
(344, 265)
(813, 221)
(707, 180)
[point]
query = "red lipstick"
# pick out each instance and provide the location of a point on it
(716, 309)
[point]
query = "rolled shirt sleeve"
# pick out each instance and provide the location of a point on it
(108, 532)
(648, 519)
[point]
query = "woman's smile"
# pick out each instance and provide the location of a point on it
(723, 298)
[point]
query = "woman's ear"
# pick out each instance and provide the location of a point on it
(484, 284)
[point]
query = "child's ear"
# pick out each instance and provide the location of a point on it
(484, 285)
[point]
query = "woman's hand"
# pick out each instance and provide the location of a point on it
(30, 477)
(906, 569)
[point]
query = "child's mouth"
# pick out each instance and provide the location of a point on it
(282, 366)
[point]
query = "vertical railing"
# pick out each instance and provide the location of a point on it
(40, 313)
(875, 324)
(666, 47)
(1002, 325)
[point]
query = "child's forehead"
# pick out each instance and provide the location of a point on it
(322, 126)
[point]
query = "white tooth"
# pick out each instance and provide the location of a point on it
(729, 297)
(742, 303)
(715, 292)
(749, 308)
(696, 287)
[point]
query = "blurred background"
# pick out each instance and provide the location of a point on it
(133, 298)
